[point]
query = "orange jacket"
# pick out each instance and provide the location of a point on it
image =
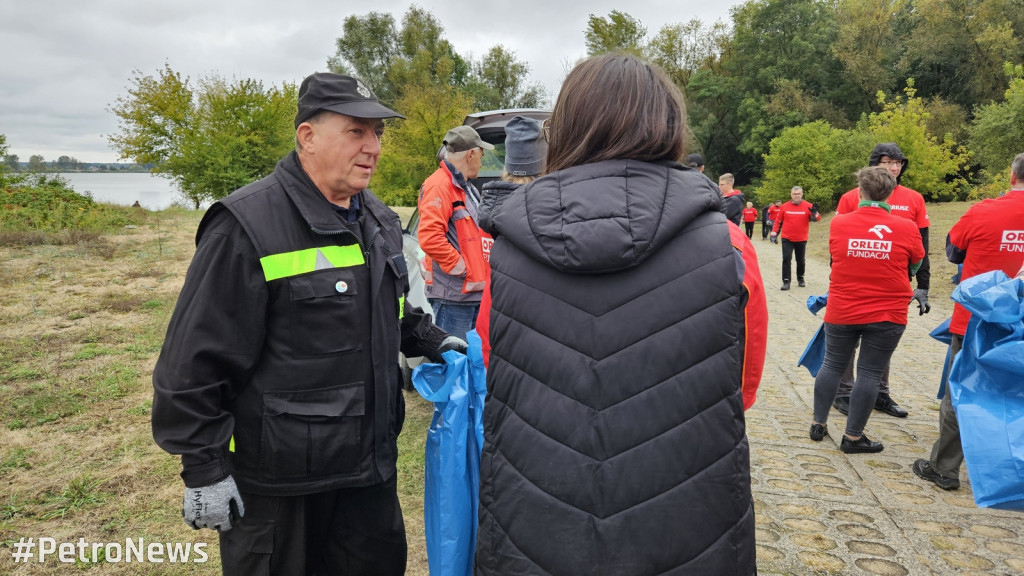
(456, 267)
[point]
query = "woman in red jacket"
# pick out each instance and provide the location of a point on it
(869, 292)
(749, 217)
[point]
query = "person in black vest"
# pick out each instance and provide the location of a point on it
(278, 382)
(628, 328)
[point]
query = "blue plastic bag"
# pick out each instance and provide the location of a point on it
(454, 440)
(942, 334)
(814, 354)
(986, 385)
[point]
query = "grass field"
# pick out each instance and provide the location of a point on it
(81, 325)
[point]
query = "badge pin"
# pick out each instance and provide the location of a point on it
(341, 287)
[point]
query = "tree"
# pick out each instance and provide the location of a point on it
(817, 157)
(867, 43)
(36, 163)
(957, 47)
(409, 147)
(998, 128)
(683, 49)
(617, 32)
(210, 141)
(368, 45)
(935, 166)
(498, 81)
(11, 163)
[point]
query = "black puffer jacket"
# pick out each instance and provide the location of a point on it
(614, 438)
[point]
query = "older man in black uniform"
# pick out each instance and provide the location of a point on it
(278, 382)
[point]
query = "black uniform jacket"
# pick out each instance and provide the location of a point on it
(280, 364)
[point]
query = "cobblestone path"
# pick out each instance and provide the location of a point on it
(820, 511)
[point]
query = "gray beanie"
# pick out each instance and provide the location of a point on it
(525, 147)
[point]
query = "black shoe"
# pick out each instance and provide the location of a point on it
(923, 468)
(785, 285)
(886, 404)
(861, 446)
(818, 431)
(800, 282)
(842, 403)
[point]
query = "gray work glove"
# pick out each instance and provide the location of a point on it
(211, 506)
(921, 296)
(453, 343)
(774, 238)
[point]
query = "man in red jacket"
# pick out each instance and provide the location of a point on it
(905, 203)
(990, 236)
(793, 220)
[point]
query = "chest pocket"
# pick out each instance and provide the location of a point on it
(327, 314)
(399, 271)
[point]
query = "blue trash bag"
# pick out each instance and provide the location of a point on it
(942, 334)
(986, 385)
(814, 354)
(454, 440)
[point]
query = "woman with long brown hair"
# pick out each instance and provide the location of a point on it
(627, 326)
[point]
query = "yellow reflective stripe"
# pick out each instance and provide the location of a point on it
(401, 307)
(302, 261)
(231, 446)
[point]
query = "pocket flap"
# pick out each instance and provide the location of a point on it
(336, 402)
(323, 284)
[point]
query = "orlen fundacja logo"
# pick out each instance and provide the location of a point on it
(873, 248)
(1013, 241)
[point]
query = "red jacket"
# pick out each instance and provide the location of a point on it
(750, 214)
(904, 202)
(449, 219)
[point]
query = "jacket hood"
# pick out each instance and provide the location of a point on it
(892, 150)
(605, 216)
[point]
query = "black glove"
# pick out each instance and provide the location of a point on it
(213, 506)
(922, 301)
(774, 238)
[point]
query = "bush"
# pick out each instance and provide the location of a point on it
(45, 204)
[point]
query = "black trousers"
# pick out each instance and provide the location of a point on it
(750, 229)
(788, 250)
(766, 227)
(344, 532)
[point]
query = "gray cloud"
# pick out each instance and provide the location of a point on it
(67, 61)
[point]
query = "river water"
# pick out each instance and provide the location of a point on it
(151, 192)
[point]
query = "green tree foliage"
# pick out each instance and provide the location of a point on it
(36, 163)
(817, 157)
(499, 81)
(210, 140)
(997, 134)
(956, 48)
(11, 163)
(782, 62)
(867, 43)
(935, 167)
(617, 32)
(409, 147)
(683, 49)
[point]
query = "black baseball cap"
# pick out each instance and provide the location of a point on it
(341, 94)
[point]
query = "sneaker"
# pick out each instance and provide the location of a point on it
(818, 431)
(842, 403)
(923, 468)
(800, 282)
(886, 404)
(861, 446)
(785, 285)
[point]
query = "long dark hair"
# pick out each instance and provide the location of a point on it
(616, 106)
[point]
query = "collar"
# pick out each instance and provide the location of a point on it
(874, 204)
(350, 214)
(311, 204)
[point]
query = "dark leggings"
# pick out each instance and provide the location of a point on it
(750, 229)
(878, 341)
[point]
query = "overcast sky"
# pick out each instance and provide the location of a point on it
(66, 61)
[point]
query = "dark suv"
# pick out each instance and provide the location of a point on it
(490, 126)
